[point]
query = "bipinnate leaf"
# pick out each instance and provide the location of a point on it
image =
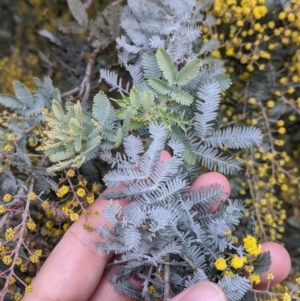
(57, 110)
(166, 65)
(78, 12)
(262, 263)
(101, 107)
(11, 102)
(188, 72)
(23, 94)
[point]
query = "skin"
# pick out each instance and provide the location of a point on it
(74, 271)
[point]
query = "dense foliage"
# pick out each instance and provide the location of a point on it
(165, 88)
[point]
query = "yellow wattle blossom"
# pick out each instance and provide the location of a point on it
(80, 192)
(29, 289)
(18, 297)
(228, 273)
(8, 148)
(11, 280)
(18, 260)
(7, 198)
(9, 233)
(95, 213)
(237, 262)
(74, 217)
(10, 137)
(2, 209)
(32, 196)
(90, 198)
(286, 297)
(251, 246)
(6, 259)
(71, 173)
(62, 191)
(220, 264)
(270, 276)
(31, 225)
(254, 278)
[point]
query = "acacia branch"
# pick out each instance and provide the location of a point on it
(84, 88)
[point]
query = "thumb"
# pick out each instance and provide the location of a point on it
(202, 291)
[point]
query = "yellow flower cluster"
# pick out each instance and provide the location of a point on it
(90, 199)
(237, 262)
(6, 259)
(7, 198)
(34, 258)
(11, 280)
(2, 209)
(32, 196)
(10, 137)
(220, 264)
(71, 173)
(29, 289)
(251, 246)
(81, 192)
(9, 233)
(8, 148)
(286, 297)
(270, 276)
(18, 297)
(254, 278)
(63, 190)
(30, 224)
(45, 205)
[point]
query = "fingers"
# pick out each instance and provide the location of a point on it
(280, 265)
(211, 178)
(202, 291)
(74, 268)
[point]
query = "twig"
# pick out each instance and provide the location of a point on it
(167, 275)
(27, 131)
(85, 87)
(20, 242)
(188, 261)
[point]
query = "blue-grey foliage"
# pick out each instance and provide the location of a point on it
(164, 223)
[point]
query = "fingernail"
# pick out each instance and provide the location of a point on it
(204, 291)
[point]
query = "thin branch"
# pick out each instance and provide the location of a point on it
(84, 88)
(167, 276)
(188, 261)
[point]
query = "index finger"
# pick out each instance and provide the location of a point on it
(73, 269)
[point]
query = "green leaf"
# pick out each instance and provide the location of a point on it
(188, 72)
(78, 12)
(148, 101)
(119, 137)
(188, 154)
(23, 94)
(135, 98)
(101, 107)
(75, 125)
(60, 166)
(178, 95)
(126, 121)
(166, 65)
(57, 111)
(59, 156)
(78, 110)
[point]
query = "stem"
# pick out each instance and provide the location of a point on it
(167, 275)
(188, 261)
(84, 88)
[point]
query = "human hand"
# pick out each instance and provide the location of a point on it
(75, 272)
